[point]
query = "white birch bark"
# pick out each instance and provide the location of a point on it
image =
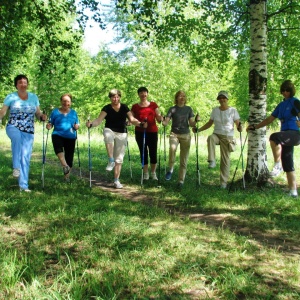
(256, 159)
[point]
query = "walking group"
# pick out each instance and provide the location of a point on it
(24, 106)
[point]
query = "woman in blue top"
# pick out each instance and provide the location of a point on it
(283, 142)
(23, 106)
(64, 135)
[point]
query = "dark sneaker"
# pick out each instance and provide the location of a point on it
(169, 175)
(180, 185)
(66, 170)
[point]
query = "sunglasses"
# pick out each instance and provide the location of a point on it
(221, 98)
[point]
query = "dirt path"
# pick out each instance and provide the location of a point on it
(261, 239)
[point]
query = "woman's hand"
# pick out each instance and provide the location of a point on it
(89, 124)
(250, 127)
(49, 126)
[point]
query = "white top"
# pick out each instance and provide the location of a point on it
(224, 120)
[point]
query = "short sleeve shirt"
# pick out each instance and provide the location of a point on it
(180, 118)
(224, 120)
(116, 120)
(22, 111)
(64, 123)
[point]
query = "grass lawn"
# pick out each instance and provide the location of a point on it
(68, 241)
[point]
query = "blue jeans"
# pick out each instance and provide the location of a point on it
(21, 147)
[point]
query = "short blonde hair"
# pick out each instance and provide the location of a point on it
(114, 92)
(178, 94)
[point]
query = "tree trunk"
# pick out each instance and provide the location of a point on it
(257, 169)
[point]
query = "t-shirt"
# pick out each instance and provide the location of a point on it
(224, 120)
(22, 111)
(64, 123)
(180, 118)
(286, 111)
(142, 113)
(116, 120)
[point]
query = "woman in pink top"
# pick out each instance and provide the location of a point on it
(146, 110)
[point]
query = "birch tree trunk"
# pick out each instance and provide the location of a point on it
(257, 169)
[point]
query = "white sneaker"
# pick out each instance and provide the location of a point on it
(146, 176)
(153, 176)
(110, 166)
(277, 169)
(118, 185)
(211, 164)
(25, 190)
(223, 185)
(293, 194)
(16, 173)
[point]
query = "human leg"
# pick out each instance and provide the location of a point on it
(58, 146)
(212, 141)
(139, 137)
(118, 154)
(109, 137)
(287, 158)
(26, 151)
(152, 140)
(185, 144)
(15, 136)
(225, 160)
(69, 154)
(173, 143)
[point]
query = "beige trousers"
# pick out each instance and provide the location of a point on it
(222, 140)
(185, 142)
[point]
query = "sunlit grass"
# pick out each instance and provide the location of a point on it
(72, 242)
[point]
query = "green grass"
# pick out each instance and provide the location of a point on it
(72, 242)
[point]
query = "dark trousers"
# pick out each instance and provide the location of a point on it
(287, 139)
(61, 144)
(150, 146)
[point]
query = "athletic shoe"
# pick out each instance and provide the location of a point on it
(223, 185)
(66, 169)
(168, 175)
(118, 185)
(16, 173)
(25, 190)
(110, 166)
(146, 176)
(276, 171)
(211, 164)
(153, 176)
(293, 194)
(180, 185)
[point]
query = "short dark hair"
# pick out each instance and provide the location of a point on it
(288, 86)
(67, 94)
(19, 77)
(142, 89)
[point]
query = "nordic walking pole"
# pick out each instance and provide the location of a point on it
(143, 155)
(130, 168)
(44, 152)
(241, 141)
(89, 153)
(165, 155)
(159, 152)
(44, 158)
(78, 155)
(197, 119)
(238, 163)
